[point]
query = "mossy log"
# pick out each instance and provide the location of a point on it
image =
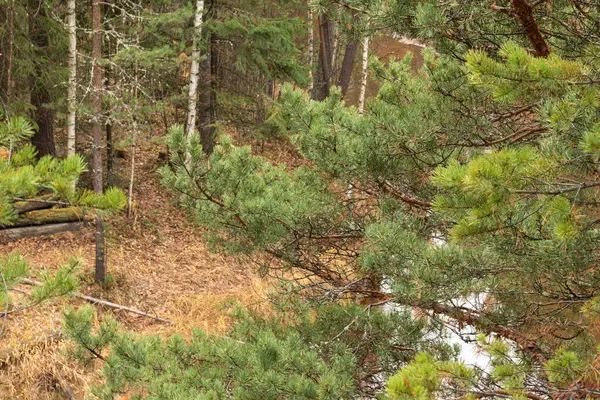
(49, 216)
(24, 206)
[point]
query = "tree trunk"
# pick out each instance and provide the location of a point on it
(9, 56)
(190, 124)
(348, 64)
(72, 89)
(43, 139)
(325, 57)
(100, 270)
(107, 114)
(365, 71)
(134, 125)
(311, 48)
(208, 94)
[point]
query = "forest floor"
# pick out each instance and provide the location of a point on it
(158, 262)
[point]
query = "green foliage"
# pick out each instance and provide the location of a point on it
(565, 367)
(242, 191)
(14, 268)
(23, 176)
(424, 377)
(257, 360)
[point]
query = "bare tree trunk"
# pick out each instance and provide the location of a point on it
(9, 57)
(134, 123)
(348, 64)
(365, 71)
(107, 124)
(72, 89)
(43, 139)
(190, 125)
(100, 271)
(311, 48)
(208, 95)
(335, 41)
(325, 57)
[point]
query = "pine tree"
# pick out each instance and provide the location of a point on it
(474, 202)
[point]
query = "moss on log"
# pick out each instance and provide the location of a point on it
(33, 204)
(49, 216)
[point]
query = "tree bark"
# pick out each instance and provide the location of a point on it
(72, 89)
(208, 95)
(190, 125)
(9, 56)
(100, 267)
(524, 15)
(43, 139)
(107, 124)
(365, 71)
(41, 230)
(325, 57)
(311, 48)
(348, 65)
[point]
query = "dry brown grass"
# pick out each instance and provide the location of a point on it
(159, 263)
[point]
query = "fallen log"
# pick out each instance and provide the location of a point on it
(95, 300)
(40, 230)
(49, 216)
(24, 206)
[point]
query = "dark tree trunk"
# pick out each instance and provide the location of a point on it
(100, 270)
(348, 64)
(43, 140)
(7, 14)
(96, 97)
(3, 60)
(324, 73)
(207, 113)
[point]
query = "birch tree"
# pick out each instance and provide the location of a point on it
(194, 72)
(365, 71)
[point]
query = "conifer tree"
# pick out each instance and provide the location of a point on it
(474, 203)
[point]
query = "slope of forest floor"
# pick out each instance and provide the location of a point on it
(158, 263)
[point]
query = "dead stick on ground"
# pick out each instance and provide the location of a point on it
(95, 300)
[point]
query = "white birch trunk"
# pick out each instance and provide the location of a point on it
(72, 89)
(311, 48)
(194, 71)
(334, 52)
(365, 71)
(134, 124)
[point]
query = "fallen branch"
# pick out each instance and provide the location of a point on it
(95, 300)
